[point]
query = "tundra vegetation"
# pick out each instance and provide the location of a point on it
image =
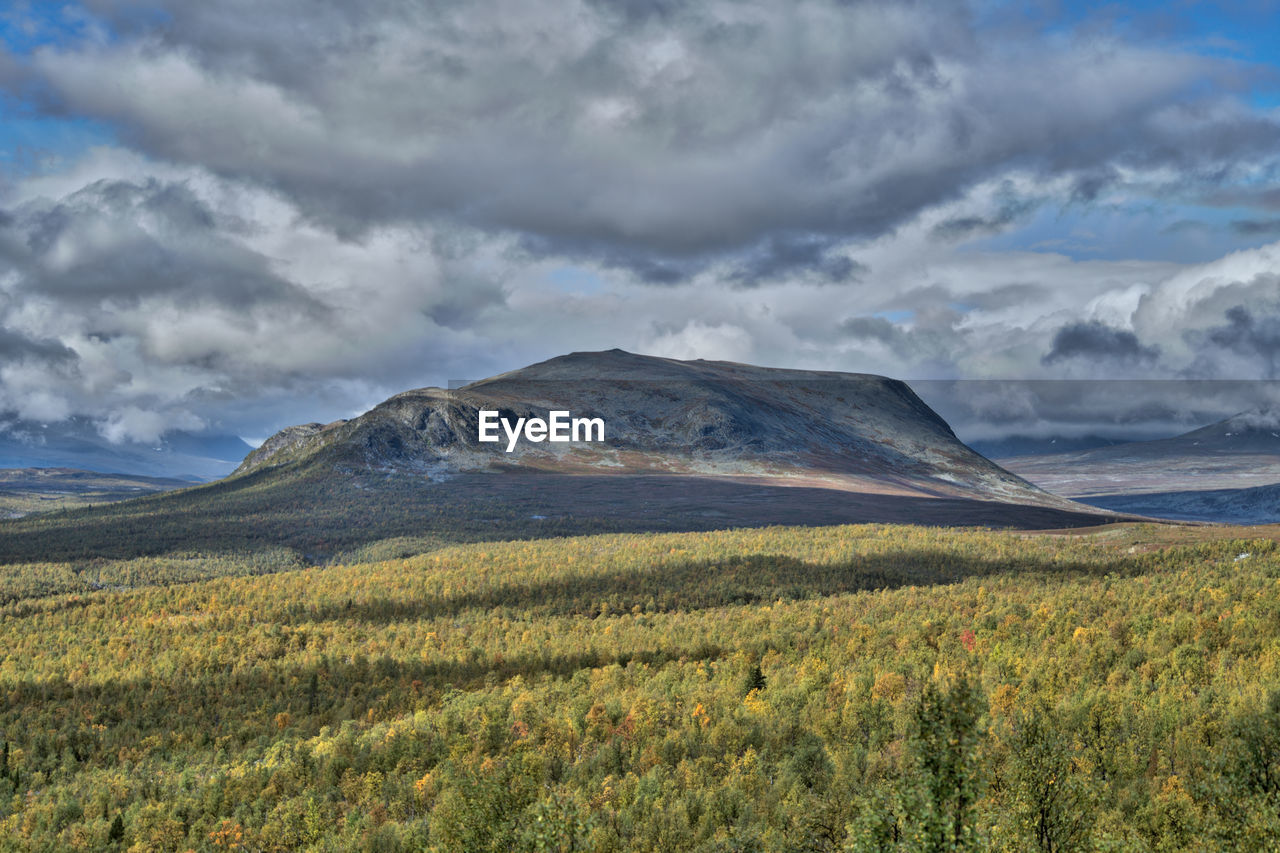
(776, 689)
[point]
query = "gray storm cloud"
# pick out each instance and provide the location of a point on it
(117, 242)
(643, 132)
(1098, 342)
(1244, 334)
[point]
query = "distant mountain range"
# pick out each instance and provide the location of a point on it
(76, 443)
(1009, 446)
(1226, 471)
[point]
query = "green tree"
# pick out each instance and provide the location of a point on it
(116, 833)
(1046, 791)
(556, 825)
(945, 746)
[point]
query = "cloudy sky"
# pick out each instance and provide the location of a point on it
(235, 215)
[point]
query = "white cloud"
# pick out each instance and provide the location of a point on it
(718, 342)
(130, 423)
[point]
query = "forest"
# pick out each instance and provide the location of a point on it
(779, 689)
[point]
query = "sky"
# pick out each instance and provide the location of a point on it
(233, 216)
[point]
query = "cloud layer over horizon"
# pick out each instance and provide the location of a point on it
(295, 209)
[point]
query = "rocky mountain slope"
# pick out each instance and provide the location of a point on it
(852, 432)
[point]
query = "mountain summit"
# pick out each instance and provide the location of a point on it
(847, 431)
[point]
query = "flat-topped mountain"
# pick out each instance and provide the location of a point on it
(848, 431)
(687, 445)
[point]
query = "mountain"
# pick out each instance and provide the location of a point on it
(687, 445)
(76, 443)
(847, 431)
(1242, 451)
(1224, 472)
(1255, 432)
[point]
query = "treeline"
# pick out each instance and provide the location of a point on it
(852, 688)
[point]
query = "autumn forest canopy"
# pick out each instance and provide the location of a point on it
(839, 688)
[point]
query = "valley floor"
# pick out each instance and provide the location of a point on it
(33, 490)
